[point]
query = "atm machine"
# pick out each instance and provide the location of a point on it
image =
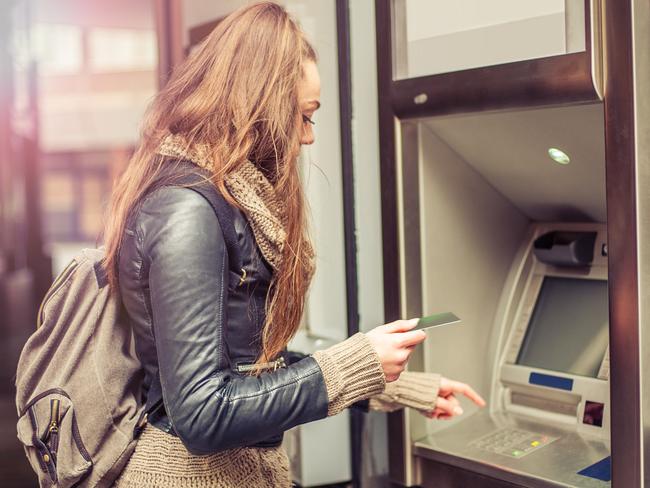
(509, 197)
(548, 422)
(514, 243)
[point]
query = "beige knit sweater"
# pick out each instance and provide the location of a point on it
(352, 372)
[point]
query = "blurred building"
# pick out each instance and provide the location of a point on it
(76, 78)
(97, 65)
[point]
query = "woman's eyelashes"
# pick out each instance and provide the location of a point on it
(307, 120)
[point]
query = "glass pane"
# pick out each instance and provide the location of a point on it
(438, 36)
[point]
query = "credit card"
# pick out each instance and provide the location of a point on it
(436, 320)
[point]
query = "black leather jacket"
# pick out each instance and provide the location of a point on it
(193, 328)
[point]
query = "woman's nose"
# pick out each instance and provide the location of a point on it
(307, 138)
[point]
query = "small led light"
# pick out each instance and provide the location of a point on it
(559, 156)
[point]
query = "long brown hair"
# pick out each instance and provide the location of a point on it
(238, 94)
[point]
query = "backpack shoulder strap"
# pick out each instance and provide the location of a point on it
(224, 212)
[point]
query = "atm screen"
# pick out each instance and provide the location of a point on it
(568, 330)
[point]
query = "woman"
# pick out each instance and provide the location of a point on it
(218, 390)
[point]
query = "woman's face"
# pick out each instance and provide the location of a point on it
(309, 100)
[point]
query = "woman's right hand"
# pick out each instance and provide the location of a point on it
(394, 343)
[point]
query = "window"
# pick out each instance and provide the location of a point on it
(122, 50)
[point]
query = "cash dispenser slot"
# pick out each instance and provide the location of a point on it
(567, 405)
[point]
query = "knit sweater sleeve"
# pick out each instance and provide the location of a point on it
(412, 389)
(352, 372)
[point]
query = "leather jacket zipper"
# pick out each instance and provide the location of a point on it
(75, 427)
(272, 366)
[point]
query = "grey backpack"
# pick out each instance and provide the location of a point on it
(78, 379)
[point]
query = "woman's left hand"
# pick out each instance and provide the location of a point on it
(447, 405)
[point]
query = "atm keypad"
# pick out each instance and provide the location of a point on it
(512, 442)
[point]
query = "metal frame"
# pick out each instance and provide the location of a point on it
(552, 80)
(641, 39)
(389, 230)
(349, 223)
(627, 464)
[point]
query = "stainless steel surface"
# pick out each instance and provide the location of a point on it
(557, 464)
(409, 220)
(401, 425)
(597, 60)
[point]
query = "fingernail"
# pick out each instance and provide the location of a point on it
(458, 411)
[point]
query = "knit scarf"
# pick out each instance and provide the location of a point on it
(256, 195)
